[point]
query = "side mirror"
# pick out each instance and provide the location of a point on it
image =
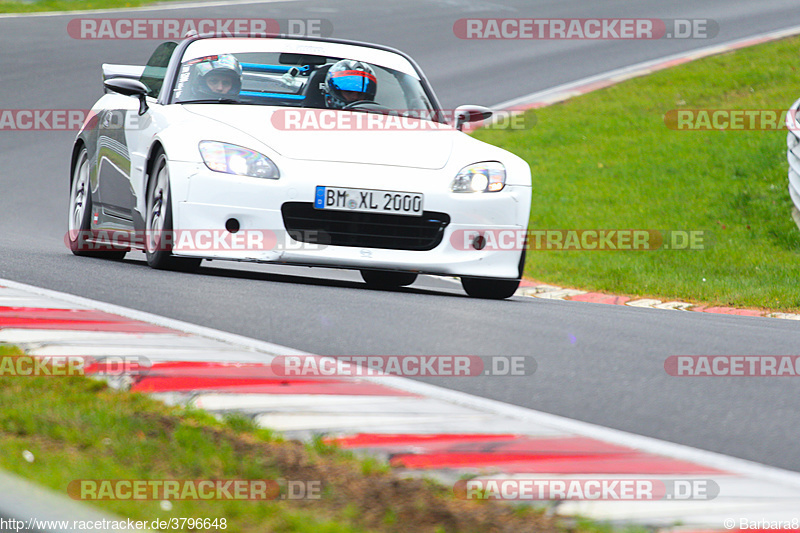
(129, 87)
(471, 113)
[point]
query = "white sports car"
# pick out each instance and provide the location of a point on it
(303, 151)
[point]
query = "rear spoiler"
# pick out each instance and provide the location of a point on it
(133, 72)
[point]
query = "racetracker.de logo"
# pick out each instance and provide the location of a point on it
(70, 365)
(403, 365)
(42, 119)
(584, 28)
(194, 489)
(392, 120)
(579, 239)
(178, 28)
(733, 365)
(730, 119)
(196, 240)
(541, 489)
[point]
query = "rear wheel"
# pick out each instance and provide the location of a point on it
(493, 289)
(79, 229)
(158, 222)
(382, 279)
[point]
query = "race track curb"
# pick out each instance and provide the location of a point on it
(420, 429)
(552, 292)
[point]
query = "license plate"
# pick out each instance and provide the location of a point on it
(368, 200)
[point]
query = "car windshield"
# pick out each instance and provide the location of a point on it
(228, 71)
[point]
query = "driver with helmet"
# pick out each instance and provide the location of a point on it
(216, 77)
(349, 81)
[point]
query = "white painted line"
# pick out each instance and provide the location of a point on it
(643, 303)
(15, 298)
(536, 290)
(558, 295)
(388, 406)
(11, 301)
(335, 421)
(263, 346)
(50, 337)
(486, 424)
(675, 305)
(227, 402)
(785, 316)
(232, 354)
(710, 514)
(546, 288)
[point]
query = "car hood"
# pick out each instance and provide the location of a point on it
(380, 140)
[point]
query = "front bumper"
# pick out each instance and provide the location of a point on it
(208, 201)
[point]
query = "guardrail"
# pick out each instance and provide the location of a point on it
(25, 506)
(793, 155)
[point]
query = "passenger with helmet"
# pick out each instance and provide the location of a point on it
(349, 81)
(216, 77)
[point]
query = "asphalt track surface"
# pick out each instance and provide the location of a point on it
(597, 363)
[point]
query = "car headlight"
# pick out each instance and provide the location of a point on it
(489, 176)
(232, 159)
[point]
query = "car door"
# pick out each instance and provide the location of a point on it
(122, 143)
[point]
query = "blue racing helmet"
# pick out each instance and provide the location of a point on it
(349, 81)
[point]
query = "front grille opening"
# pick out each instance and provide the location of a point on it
(364, 230)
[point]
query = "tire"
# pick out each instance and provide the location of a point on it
(493, 289)
(490, 289)
(79, 226)
(158, 222)
(382, 279)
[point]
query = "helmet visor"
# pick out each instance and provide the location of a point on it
(354, 81)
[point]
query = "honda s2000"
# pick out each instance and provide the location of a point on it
(299, 151)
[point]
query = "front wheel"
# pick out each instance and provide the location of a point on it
(159, 234)
(491, 289)
(381, 279)
(494, 289)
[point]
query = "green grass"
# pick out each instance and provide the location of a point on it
(586, 525)
(76, 428)
(607, 160)
(68, 5)
(6, 349)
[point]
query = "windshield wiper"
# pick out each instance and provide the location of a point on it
(212, 101)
